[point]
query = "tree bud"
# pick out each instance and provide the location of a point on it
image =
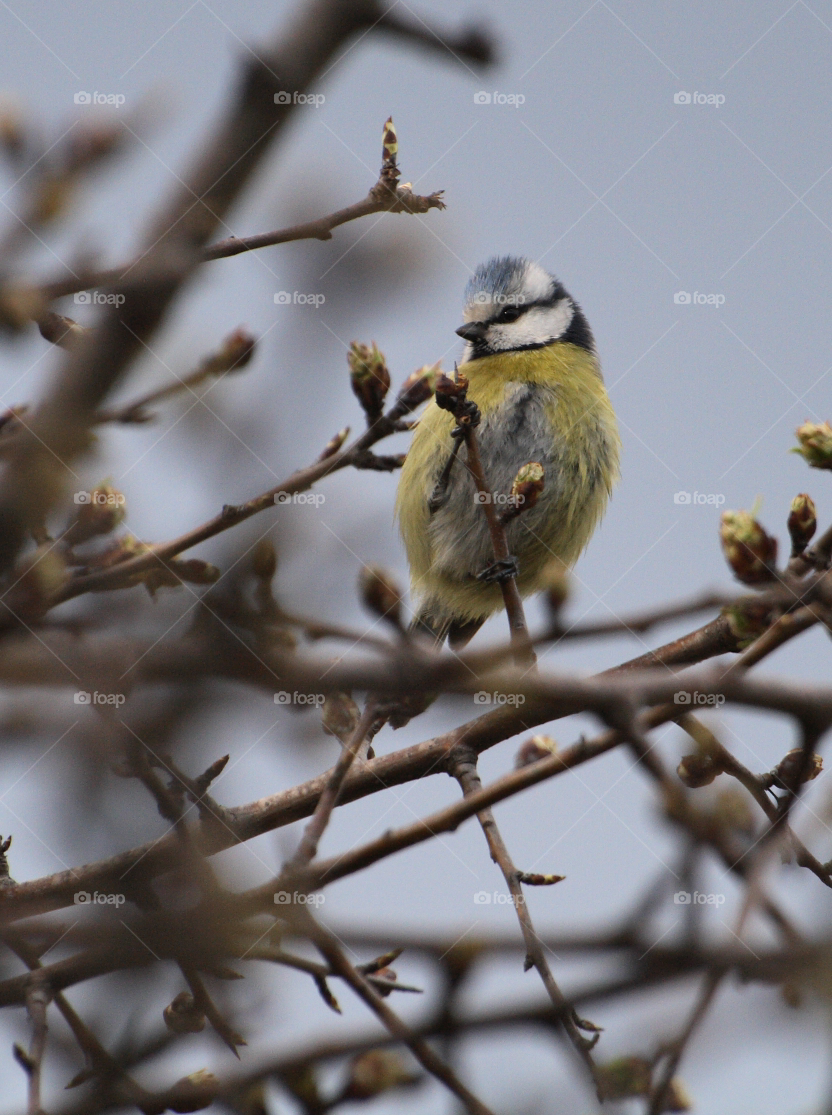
(815, 444)
(787, 770)
(538, 747)
(381, 594)
(417, 388)
(182, 1016)
(376, 1071)
(748, 549)
(370, 378)
(802, 522)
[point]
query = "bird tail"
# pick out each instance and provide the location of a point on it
(458, 632)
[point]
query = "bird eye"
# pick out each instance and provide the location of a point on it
(508, 313)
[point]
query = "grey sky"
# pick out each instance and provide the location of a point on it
(630, 195)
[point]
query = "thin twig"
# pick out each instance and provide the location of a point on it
(308, 847)
(126, 572)
(379, 200)
(524, 653)
(463, 767)
(37, 1001)
(676, 1049)
(328, 945)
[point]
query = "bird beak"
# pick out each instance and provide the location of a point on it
(472, 331)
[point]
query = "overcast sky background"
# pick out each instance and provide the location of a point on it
(630, 198)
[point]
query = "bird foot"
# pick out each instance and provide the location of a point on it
(468, 417)
(499, 571)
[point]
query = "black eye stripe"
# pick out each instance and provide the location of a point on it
(509, 313)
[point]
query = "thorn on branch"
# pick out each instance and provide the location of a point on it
(383, 961)
(334, 444)
(326, 994)
(23, 1059)
(5, 877)
(205, 779)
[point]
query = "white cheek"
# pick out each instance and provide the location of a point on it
(535, 327)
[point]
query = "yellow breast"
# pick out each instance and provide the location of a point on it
(546, 404)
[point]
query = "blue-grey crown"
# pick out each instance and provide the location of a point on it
(504, 278)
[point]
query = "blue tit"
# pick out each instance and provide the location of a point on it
(534, 374)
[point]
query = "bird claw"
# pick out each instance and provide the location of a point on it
(499, 571)
(468, 417)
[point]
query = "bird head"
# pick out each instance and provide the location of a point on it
(513, 304)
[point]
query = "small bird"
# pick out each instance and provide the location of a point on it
(534, 374)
